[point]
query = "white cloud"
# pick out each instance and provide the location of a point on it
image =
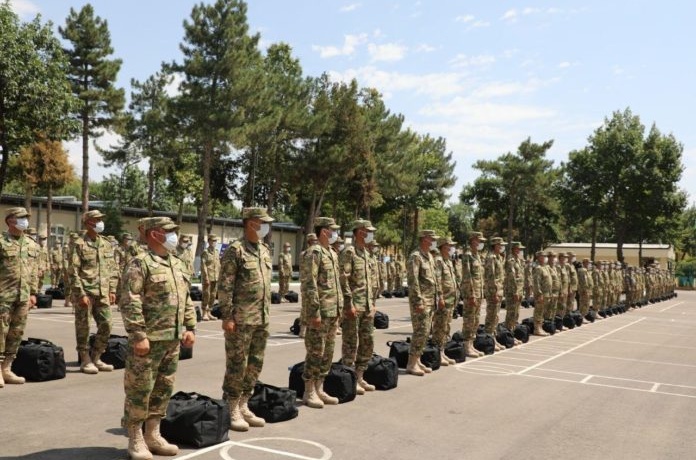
(433, 85)
(510, 15)
(350, 42)
(465, 18)
(387, 52)
(484, 112)
(531, 10)
(424, 48)
(351, 7)
(462, 61)
(24, 8)
(480, 23)
(172, 89)
(502, 89)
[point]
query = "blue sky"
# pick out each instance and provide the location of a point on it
(483, 74)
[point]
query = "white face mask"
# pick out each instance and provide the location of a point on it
(22, 223)
(502, 249)
(171, 240)
(452, 251)
(341, 247)
(369, 238)
(545, 260)
(572, 259)
(433, 245)
(333, 237)
(263, 231)
(480, 246)
(99, 227)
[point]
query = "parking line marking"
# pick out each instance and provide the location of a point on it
(586, 379)
(665, 363)
(651, 344)
(671, 306)
(654, 388)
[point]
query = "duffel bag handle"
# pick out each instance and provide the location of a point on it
(39, 341)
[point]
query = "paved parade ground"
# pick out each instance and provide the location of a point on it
(623, 387)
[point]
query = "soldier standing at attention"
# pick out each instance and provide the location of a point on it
(93, 283)
(597, 289)
(311, 241)
(514, 286)
(494, 275)
(542, 284)
(424, 296)
(35, 254)
(210, 270)
(245, 297)
(17, 291)
(358, 303)
(562, 270)
(183, 252)
(573, 282)
(585, 286)
(472, 292)
(44, 261)
(284, 271)
(324, 302)
(550, 310)
(447, 281)
(158, 315)
(56, 264)
(399, 276)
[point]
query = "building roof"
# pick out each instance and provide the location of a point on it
(611, 245)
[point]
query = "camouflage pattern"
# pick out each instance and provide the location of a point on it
(303, 289)
(391, 274)
(472, 293)
(585, 288)
(186, 256)
(376, 276)
(210, 269)
(44, 265)
(357, 286)
(16, 287)
(513, 290)
(573, 285)
(541, 284)
(245, 298)
(93, 274)
(442, 317)
(423, 291)
(597, 288)
(324, 301)
(562, 271)
(550, 308)
(400, 269)
(494, 277)
(284, 273)
(56, 256)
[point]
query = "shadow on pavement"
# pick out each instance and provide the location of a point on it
(86, 453)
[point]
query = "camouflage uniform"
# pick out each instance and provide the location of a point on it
(572, 283)
(311, 241)
(284, 273)
(423, 292)
(550, 310)
(597, 287)
(514, 287)
(17, 276)
(391, 273)
(542, 285)
(56, 264)
(562, 271)
(585, 287)
(44, 262)
(494, 277)
(449, 288)
(472, 292)
(155, 305)
(210, 270)
(399, 276)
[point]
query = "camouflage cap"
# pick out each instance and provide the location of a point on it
(111, 238)
(474, 235)
(126, 236)
(185, 238)
(212, 237)
(339, 240)
(561, 255)
(286, 244)
(326, 222)
(311, 237)
(428, 233)
(586, 260)
(517, 244)
(363, 223)
(570, 254)
(17, 212)
(539, 254)
(550, 253)
(42, 237)
(93, 214)
(165, 223)
(497, 240)
(375, 244)
(256, 213)
(74, 235)
(30, 231)
(445, 240)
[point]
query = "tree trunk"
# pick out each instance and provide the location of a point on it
(511, 212)
(594, 239)
(205, 198)
(620, 238)
(180, 211)
(640, 252)
(150, 186)
(85, 159)
(414, 234)
(49, 210)
(27, 197)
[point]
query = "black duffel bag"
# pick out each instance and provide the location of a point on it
(504, 336)
(522, 333)
(44, 301)
(431, 356)
(399, 350)
(568, 321)
(196, 420)
(56, 293)
(292, 297)
(558, 321)
(382, 372)
(577, 317)
(455, 350)
(529, 322)
(295, 328)
(458, 336)
(591, 316)
(485, 342)
(381, 320)
(116, 350)
(273, 404)
(39, 360)
(549, 326)
(386, 294)
(339, 383)
(275, 297)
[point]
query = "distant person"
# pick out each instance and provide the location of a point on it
(284, 271)
(210, 270)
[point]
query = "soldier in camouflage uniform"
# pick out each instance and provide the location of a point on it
(44, 261)
(358, 303)
(324, 302)
(245, 298)
(447, 280)
(550, 310)
(378, 272)
(210, 270)
(494, 277)
(424, 296)
(597, 288)
(35, 254)
(56, 257)
(311, 241)
(67, 261)
(472, 291)
(159, 317)
(93, 283)
(585, 286)
(562, 271)
(400, 271)
(572, 282)
(541, 284)
(391, 273)
(183, 252)
(284, 271)
(514, 286)
(17, 289)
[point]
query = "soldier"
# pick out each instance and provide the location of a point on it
(562, 271)
(311, 241)
(44, 261)
(447, 280)
(375, 269)
(56, 257)
(245, 298)
(210, 270)
(472, 291)
(585, 287)
(67, 261)
(358, 303)
(35, 253)
(597, 289)
(424, 295)
(324, 302)
(158, 315)
(93, 283)
(284, 271)
(514, 286)
(400, 271)
(17, 291)
(338, 245)
(494, 277)
(183, 252)
(572, 282)
(550, 311)
(542, 285)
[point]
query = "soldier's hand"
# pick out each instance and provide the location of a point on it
(471, 301)
(441, 304)
(229, 325)
(112, 298)
(351, 312)
(141, 347)
(315, 323)
(188, 339)
(206, 283)
(32, 301)
(420, 308)
(84, 303)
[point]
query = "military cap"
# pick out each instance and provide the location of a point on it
(375, 244)
(111, 238)
(185, 238)
(426, 233)
(212, 237)
(311, 237)
(586, 259)
(256, 213)
(17, 212)
(497, 240)
(338, 240)
(326, 222)
(126, 236)
(550, 253)
(445, 240)
(362, 223)
(93, 214)
(539, 254)
(562, 255)
(30, 231)
(517, 244)
(286, 244)
(570, 254)
(478, 235)
(43, 237)
(165, 223)
(74, 235)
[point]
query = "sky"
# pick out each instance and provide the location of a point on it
(485, 75)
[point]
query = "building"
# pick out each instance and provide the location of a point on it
(660, 253)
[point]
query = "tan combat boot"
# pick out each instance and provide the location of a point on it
(447, 358)
(423, 367)
(443, 359)
(470, 351)
(248, 415)
(154, 440)
(538, 330)
(86, 364)
(498, 346)
(2, 381)
(303, 329)
(7, 375)
(99, 364)
(237, 422)
(362, 383)
(206, 314)
(137, 449)
(413, 368)
(358, 389)
(324, 396)
(310, 398)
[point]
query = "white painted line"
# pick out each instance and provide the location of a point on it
(663, 363)
(586, 379)
(570, 350)
(205, 450)
(661, 345)
(327, 454)
(671, 306)
(654, 388)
